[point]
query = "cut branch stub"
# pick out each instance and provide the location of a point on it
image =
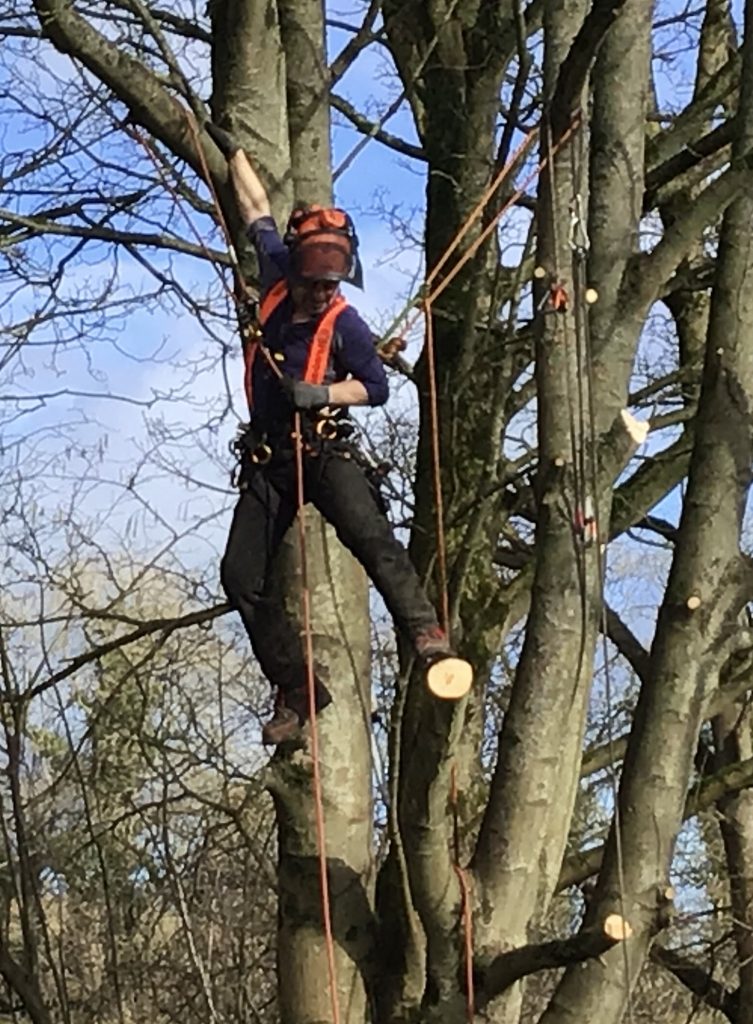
(588, 943)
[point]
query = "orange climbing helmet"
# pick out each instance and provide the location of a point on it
(323, 245)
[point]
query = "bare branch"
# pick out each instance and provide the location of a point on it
(372, 130)
(166, 626)
(580, 866)
(361, 39)
(697, 980)
(510, 967)
(37, 226)
(627, 643)
(575, 67)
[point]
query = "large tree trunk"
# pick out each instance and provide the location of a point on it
(282, 80)
(696, 621)
(732, 738)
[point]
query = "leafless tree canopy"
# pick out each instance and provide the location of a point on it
(574, 842)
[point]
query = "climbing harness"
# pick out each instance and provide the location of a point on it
(310, 232)
(305, 596)
(320, 350)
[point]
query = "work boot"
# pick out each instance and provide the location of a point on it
(292, 712)
(431, 644)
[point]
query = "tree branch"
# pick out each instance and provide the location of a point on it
(166, 626)
(627, 643)
(722, 86)
(510, 967)
(35, 227)
(135, 85)
(693, 153)
(698, 981)
(731, 779)
(575, 67)
(597, 758)
(363, 36)
(25, 988)
(651, 271)
(370, 129)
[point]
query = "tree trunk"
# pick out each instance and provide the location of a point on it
(690, 637)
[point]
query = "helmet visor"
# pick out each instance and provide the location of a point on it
(322, 257)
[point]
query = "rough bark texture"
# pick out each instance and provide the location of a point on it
(686, 649)
(527, 818)
(732, 735)
(400, 937)
(307, 90)
(341, 643)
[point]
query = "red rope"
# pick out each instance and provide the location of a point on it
(321, 839)
(471, 251)
(305, 593)
(426, 309)
(477, 210)
(467, 910)
(134, 132)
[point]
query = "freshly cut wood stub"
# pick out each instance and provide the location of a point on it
(591, 296)
(449, 678)
(539, 272)
(617, 928)
(694, 602)
(638, 429)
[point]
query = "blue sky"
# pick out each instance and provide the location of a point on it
(87, 471)
(153, 353)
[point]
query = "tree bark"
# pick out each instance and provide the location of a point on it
(732, 737)
(686, 650)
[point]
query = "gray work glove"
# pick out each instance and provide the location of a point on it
(303, 396)
(224, 141)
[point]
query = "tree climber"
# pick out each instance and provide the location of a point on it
(304, 320)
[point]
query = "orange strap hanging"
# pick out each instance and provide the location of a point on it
(274, 297)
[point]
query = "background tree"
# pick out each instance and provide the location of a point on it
(633, 193)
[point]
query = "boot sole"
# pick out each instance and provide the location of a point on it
(449, 678)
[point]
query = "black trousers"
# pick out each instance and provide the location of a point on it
(339, 489)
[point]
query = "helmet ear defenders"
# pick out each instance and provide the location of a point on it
(323, 245)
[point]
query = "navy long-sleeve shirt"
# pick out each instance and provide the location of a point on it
(353, 352)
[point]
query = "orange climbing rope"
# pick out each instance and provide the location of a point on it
(305, 593)
(321, 838)
(436, 470)
(425, 309)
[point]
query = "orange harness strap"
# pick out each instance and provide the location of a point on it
(321, 343)
(276, 294)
